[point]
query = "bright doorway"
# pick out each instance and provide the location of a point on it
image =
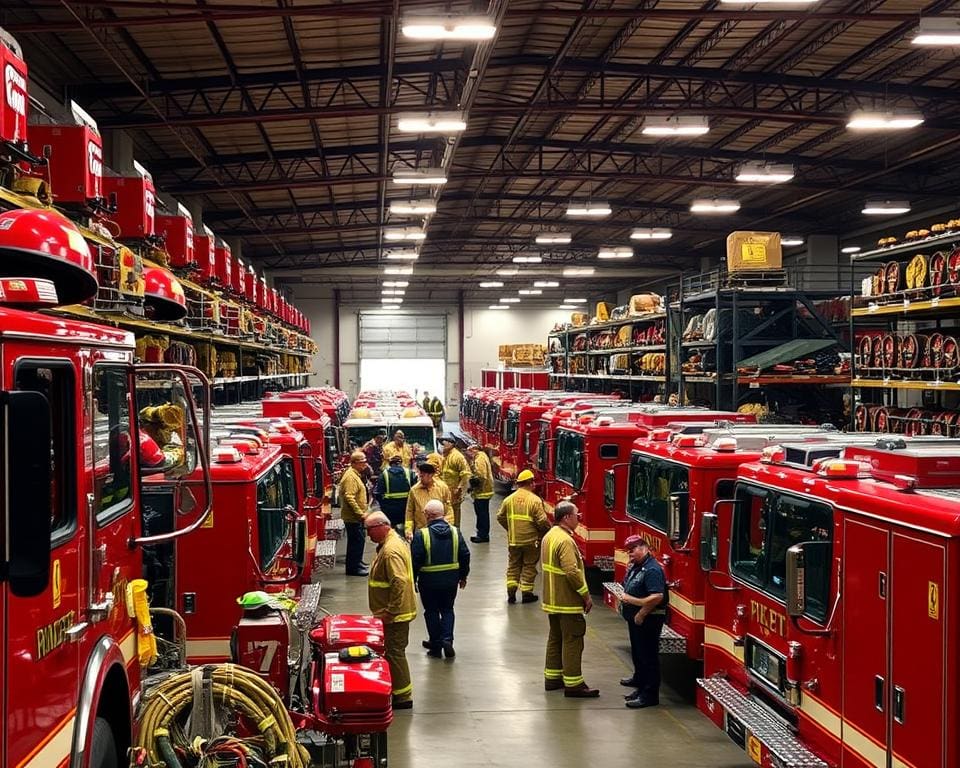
(403, 352)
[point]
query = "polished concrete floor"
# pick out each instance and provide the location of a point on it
(487, 707)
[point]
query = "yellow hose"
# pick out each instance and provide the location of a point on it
(235, 688)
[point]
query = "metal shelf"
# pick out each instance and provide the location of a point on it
(943, 386)
(222, 380)
(792, 379)
(908, 307)
(908, 247)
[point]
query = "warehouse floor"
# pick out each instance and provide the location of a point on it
(487, 707)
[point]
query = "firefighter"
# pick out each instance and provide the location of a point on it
(393, 488)
(429, 487)
(390, 595)
(524, 517)
(435, 411)
(373, 449)
(426, 402)
(644, 607)
(353, 509)
(456, 473)
(398, 446)
(481, 488)
(565, 600)
(441, 564)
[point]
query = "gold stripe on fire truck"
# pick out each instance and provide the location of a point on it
(209, 647)
(55, 746)
(128, 647)
(723, 641)
(687, 608)
(868, 748)
(596, 534)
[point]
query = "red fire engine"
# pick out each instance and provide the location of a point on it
(828, 596)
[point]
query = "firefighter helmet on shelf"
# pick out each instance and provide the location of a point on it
(163, 294)
(43, 243)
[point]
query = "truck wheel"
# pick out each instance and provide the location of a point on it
(103, 751)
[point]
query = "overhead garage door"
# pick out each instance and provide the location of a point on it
(403, 352)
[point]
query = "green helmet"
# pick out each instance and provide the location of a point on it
(252, 600)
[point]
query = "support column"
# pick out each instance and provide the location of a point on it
(461, 333)
(823, 269)
(336, 338)
(118, 151)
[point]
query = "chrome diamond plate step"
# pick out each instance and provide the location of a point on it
(750, 725)
(308, 608)
(670, 641)
(333, 529)
(326, 555)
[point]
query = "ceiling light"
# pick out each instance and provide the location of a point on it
(530, 292)
(883, 121)
(451, 27)
(791, 241)
(491, 284)
(675, 126)
(569, 307)
(508, 271)
(412, 207)
(404, 233)
(651, 234)
(424, 177)
(510, 300)
(499, 306)
(395, 283)
(765, 173)
(546, 284)
(618, 252)
(885, 207)
(391, 300)
(553, 238)
(714, 206)
(578, 271)
(431, 122)
(937, 31)
(398, 270)
(403, 255)
(574, 301)
(850, 249)
(589, 209)
(393, 292)
(527, 259)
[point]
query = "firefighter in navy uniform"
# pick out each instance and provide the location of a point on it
(644, 608)
(393, 488)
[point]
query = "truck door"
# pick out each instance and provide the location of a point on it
(917, 693)
(40, 691)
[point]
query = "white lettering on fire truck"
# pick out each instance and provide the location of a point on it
(770, 621)
(149, 207)
(94, 159)
(15, 86)
(189, 237)
(52, 636)
(654, 542)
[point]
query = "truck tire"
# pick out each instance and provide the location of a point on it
(103, 749)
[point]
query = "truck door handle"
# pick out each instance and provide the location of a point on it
(76, 632)
(878, 687)
(898, 703)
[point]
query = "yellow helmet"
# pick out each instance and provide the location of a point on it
(525, 476)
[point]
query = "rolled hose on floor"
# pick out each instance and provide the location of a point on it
(233, 687)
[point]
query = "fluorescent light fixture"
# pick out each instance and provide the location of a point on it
(492, 284)
(651, 234)
(553, 238)
(618, 252)
(499, 306)
(850, 249)
(431, 122)
(510, 300)
(937, 31)
(392, 292)
(578, 271)
(403, 255)
(449, 27)
(883, 121)
(412, 207)
(591, 209)
(395, 283)
(508, 271)
(404, 233)
(424, 177)
(885, 207)
(398, 270)
(530, 292)
(569, 307)
(682, 125)
(527, 259)
(791, 241)
(574, 301)
(765, 173)
(391, 300)
(546, 284)
(715, 205)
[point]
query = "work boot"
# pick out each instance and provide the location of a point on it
(448, 650)
(408, 704)
(552, 685)
(479, 540)
(628, 682)
(511, 596)
(434, 653)
(639, 703)
(582, 691)
(529, 597)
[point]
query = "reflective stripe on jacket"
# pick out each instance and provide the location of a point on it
(483, 470)
(524, 516)
(400, 487)
(440, 556)
(432, 567)
(564, 578)
(390, 585)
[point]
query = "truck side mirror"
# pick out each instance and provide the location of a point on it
(609, 488)
(708, 542)
(796, 581)
(300, 541)
(673, 516)
(27, 449)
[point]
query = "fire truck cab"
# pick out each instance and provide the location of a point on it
(828, 590)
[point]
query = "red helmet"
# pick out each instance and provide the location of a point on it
(35, 243)
(163, 294)
(150, 453)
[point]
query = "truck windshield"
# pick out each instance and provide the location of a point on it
(652, 482)
(766, 523)
(360, 435)
(276, 493)
(569, 458)
(422, 436)
(510, 427)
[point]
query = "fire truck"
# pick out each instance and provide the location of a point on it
(830, 624)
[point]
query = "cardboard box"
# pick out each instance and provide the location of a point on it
(749, 251)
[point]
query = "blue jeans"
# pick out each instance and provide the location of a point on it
(482, 509)
(438, 614)
(355, 544)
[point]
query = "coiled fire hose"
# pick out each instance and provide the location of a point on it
(162, 733)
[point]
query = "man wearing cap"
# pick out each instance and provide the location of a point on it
(481, 488)
(398, 447)
(353, 509)
(524, 516)
(455, 472)
(566, 600)
(429, 487)
(393, 488)
(373, 449)
(644, 607)
(391, 599)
